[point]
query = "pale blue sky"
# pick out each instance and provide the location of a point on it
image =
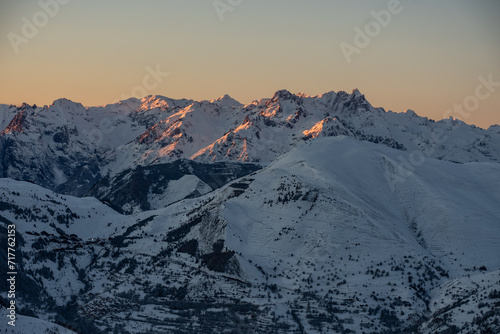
(427, 59)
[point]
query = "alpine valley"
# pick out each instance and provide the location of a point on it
(294, 214)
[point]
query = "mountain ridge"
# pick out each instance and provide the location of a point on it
(66, 140)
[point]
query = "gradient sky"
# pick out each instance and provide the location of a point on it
(95, 52)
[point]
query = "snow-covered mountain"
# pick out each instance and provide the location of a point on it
(69, 147)
(330, 237)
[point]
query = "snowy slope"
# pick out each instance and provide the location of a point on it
(330, 238)
(441, 209)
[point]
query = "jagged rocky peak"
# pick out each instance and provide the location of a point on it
(353, 102)
(356, 92)
(20, 118)
(494, 128)
(25, 106)
(327, 94)
(66, 103)
(344, 100)
(163, 103)
(227, 101)
(66, 109)
(411, 113)
(283, 94)
(18, 122)
(358, 96)
(303, 95)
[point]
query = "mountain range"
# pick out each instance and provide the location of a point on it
(294, 214)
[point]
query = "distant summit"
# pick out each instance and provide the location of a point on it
(227, 101)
